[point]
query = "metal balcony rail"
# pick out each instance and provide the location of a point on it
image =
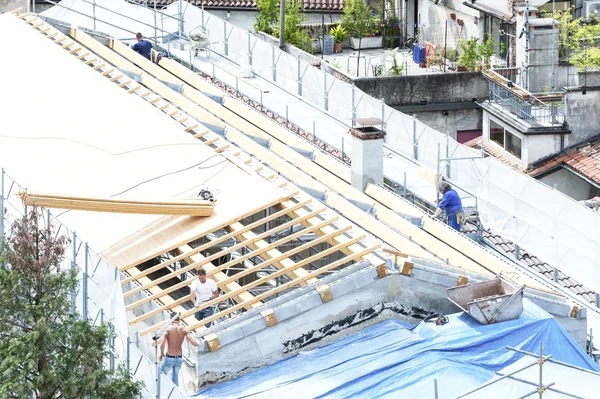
(524, 104)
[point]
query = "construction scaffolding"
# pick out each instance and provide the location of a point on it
(552, 379)
(99, 297)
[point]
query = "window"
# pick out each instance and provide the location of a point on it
(512, 144)
(505, 139)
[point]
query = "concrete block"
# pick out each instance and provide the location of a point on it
(308, 302)
(229, 336)
(287, 312)
(345, 287)
(253, 326)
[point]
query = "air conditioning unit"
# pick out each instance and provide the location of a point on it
(590, 8)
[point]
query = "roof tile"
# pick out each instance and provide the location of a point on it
(585, 160)
(331, 5)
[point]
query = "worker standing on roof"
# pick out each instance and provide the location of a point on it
(451, 204)
(173, 338)
(203, 290)
(143, 46)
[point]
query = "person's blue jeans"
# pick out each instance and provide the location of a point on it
(172, 363)
(203, 314)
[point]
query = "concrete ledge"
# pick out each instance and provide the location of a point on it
(359, 297)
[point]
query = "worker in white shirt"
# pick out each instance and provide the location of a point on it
(203, 290)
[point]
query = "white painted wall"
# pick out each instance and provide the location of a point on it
(569, 184)
(434, 18)
(537, 147)
(242, 19)
(533, 147)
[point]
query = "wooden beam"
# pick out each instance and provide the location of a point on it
(224, 238)
(253, 269)
(198, 265)
(150, 230)
(289, 284)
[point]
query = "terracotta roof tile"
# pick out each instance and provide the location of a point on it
(585, 160)
(331, 5)
(497, 152)
(533, 262)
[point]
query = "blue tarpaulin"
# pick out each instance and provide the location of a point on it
(393, 359)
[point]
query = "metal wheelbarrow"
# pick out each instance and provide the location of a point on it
(489, 302)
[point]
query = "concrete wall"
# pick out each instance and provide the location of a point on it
(462, 119)
(570, 184)
(359, 299)
(242, 19)
(583, 115)
(10, 5)
(433, 88)
(434, 17)
(540, 61)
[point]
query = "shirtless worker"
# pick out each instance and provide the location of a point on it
(173, 338)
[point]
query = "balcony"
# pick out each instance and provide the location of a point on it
(545, 110)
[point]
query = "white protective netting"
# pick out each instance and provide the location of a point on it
(536, 217)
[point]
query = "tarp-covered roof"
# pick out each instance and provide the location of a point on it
(393, 359)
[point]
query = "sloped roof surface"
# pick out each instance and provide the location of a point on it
(585, 159)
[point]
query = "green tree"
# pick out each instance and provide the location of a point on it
(46, 350)
(268, 15)
(293, 33)
(581, 37)
(469, 56)
(359, 22)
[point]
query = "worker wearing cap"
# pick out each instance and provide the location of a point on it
(203, 290)
(451, 204)
(143, 46)
(173, 339)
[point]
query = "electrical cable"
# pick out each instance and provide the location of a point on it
(102, 149)
(172, 173)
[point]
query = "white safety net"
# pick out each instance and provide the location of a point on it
(539, 219)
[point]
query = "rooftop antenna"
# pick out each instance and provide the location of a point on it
(527, 42)
(281, 23)
(554, 34)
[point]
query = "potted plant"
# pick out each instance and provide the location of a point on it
(469, 56)
(486, 50)
(360, 23)
(339, 34)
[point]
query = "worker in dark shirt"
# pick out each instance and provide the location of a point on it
(143, 47)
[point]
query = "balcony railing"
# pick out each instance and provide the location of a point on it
(544, 110)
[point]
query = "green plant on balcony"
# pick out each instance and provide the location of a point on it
(396, 69)
(581, 37)
(358, 19)
(339, 33)
(293, 32)
(268, 15)
(469, 57)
